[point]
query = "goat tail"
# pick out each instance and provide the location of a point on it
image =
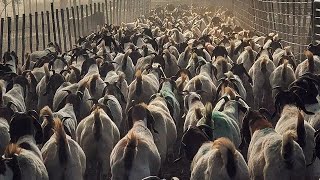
(61, 141)
(287, 149)
(209, 109)
(97, 125)
(232, 48)
(28, 59)
(228, 155)
(310, 61)
(47, 72)
(284, 70)
(198, 113)
(93, 83)
(198, 84)
(130, 151)
(46, 111)
(139, 83)
(250, 52)
(301, 131)
(263, 65)
(288, 50)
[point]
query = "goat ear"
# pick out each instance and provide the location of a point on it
(245, 131)
(130, 121)
(170, 103)
(150, 121)
(37, 125)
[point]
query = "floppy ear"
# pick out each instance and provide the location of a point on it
(151, 122)
(130, 121)
(170, 103)
(246, 135)
(39, 134)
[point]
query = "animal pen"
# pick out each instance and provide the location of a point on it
(296, 21)
(31, 32)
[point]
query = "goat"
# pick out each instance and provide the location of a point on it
(20, 163)
(63, 157)
(271, 155)
(166, 134)
(260, 73)
(144, 86)
(26, 132)
(311, 64)
(97, 135)
(288, 104)
(219, 160)
(282, 77)
(136, 156)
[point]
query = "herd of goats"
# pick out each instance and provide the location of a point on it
(240, 106)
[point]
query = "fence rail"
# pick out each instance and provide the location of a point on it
(34, 31)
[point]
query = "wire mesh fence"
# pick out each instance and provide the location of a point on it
(291, 19)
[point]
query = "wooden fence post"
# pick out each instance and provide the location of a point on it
(43, 34)
(9, 33)
(30, 33)
(106, 9)
(78, 20)
(58, 27)
(74, 25)
(37, 30)
(53, 24)
(95, 16)
(69, 28)
(82, 20)
(99, 17)
(114, 12)
(63, 30)
(91, 18)
(23, 30)
(87, 19)
(124, 11)
(111, 13)
(1, 36)
(16, 33)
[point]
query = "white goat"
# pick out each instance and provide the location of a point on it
(62, 156)
(97, 134)
(219, 160)
(136, 156)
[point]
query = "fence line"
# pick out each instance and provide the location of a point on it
(35, 30)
